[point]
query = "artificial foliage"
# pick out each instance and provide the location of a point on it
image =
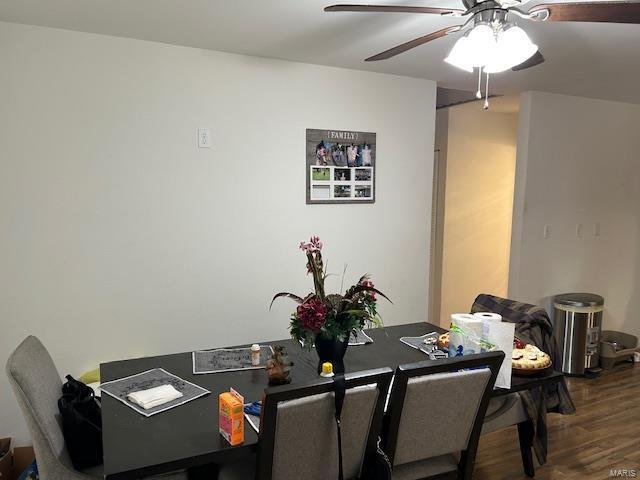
(335, 315)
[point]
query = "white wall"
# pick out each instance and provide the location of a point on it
(480, 169)
(118, 237)
(578, 163)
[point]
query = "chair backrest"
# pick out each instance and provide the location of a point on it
(436, 407)
(298, 437)
(37, 386)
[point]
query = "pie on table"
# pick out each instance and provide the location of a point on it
(443, 340)
(529, 358)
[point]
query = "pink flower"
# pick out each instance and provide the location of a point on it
(312, 314)
(368, 283)
(314, 245)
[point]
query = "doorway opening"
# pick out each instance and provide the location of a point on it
(473, 186)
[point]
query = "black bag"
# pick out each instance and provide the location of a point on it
(81, 423)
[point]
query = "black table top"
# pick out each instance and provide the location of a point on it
(187, 436)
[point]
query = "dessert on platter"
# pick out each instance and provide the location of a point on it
(528, 359)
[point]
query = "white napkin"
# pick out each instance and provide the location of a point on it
(155, 396)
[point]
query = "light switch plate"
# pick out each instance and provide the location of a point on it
(204, 138)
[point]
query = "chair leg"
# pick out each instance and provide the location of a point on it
(525, 434)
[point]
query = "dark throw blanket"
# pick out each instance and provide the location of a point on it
(533, 326)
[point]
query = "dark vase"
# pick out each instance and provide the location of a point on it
(331, 350)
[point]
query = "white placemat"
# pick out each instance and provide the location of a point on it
(228, 359)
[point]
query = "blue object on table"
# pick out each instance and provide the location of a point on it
(254, 408)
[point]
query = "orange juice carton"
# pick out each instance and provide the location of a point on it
(231, 416)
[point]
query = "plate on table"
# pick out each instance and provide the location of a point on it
(529, 360)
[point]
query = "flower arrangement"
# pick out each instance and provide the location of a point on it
(333, 316)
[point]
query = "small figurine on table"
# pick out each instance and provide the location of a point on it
(279, 366)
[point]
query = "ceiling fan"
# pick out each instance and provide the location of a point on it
(492, 42)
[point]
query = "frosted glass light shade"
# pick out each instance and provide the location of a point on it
(513, 48)
(482, 45)
(460, 55)
(480, 48)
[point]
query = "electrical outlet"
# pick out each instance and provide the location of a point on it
(546, 231)
(596, 229)
(204, 138)
(579, 230)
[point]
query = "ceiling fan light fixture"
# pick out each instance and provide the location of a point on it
(497, 65)
(515, 44)
(482, 45)
(481, 48)
(459, 56)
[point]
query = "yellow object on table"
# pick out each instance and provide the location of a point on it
(327, 369)
(92, 376)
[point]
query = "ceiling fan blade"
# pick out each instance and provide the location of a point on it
(535, 59)
(391, 8)
(416, 42)
(609, 12)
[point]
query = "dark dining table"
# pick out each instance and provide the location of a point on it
(187, 436)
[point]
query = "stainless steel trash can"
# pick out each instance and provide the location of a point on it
(578, 326)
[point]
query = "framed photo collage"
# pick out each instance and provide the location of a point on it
(340, 166)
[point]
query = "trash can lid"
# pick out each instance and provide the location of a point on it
(579, 299)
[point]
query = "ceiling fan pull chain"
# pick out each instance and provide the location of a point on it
(486, 93)
(479, 93)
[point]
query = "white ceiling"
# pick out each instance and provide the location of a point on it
(594, 60)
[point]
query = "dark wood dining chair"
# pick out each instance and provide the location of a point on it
(298, 435)
(435, 415)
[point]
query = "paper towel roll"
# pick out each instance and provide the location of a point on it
(459, 318)
(469, 323)
(487, 319)
(493, 317)
(466, 332)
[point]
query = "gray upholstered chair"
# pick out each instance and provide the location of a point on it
(435, 415)
(503, 412)
(506, 411)
(37, 386)
(298, 437)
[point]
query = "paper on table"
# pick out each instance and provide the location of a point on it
(418, 342)
(501, 334)
(228, 359)
(153, 397)
(254, 421)
(359, 338)
(119, 389)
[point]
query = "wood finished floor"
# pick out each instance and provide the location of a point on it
(603, 434)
